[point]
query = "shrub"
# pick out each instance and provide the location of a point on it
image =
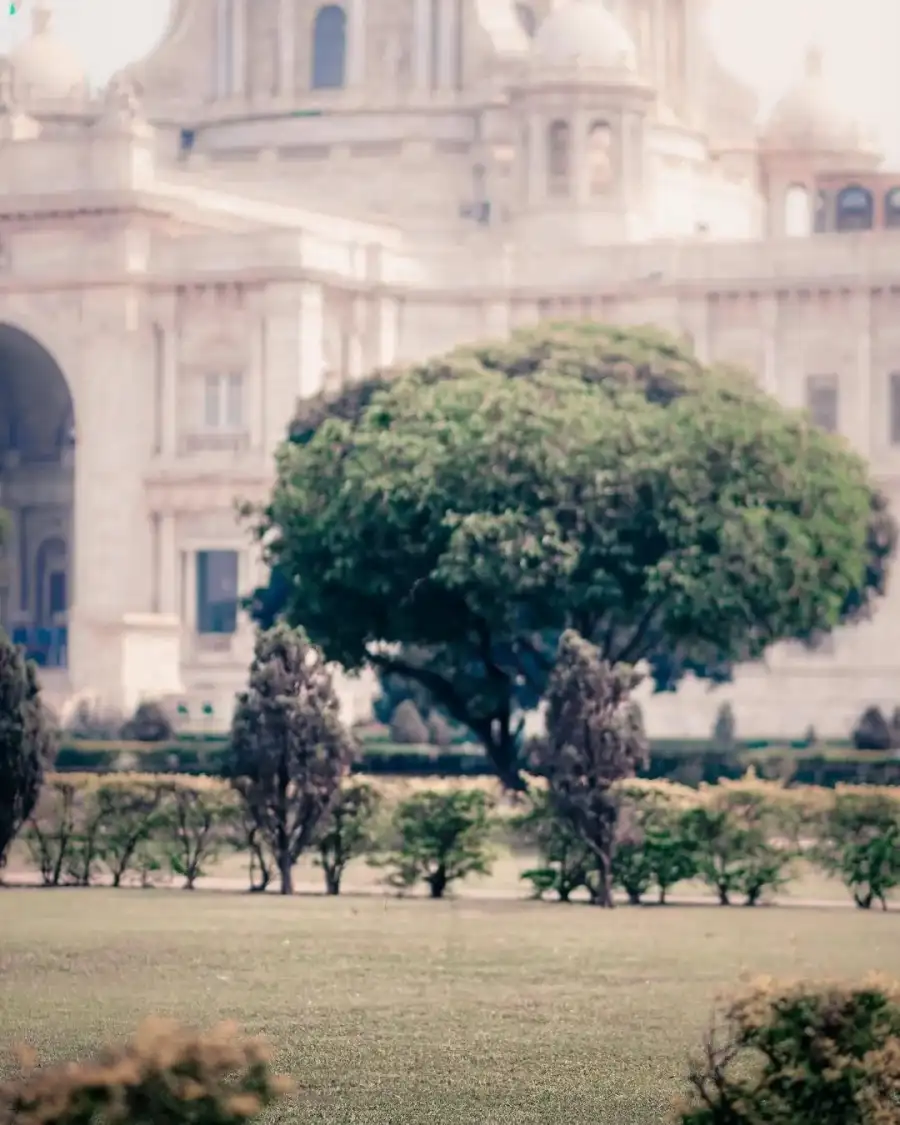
(566, 861)
(347, 831)
(654, 848)
(149, 723)
(440, 733)
(407, 725)
(805, 1055)
(872, 731)
(93, 723)
(196, 818)
(165, 1076)
(724, 731)
(440, 837)
(859, 842)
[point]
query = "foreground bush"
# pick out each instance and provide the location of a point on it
(165, 1076)
(804, 1055)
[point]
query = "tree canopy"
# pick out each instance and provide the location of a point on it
(447, 524)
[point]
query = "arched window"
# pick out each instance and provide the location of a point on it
(329, 48)
(527, 19)
(558, 158)
(599, 157)
(797, 212)
(892, 207)
(855, 209)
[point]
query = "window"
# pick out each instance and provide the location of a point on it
(892, 208)
(895, 408)
(217, 592)
(822, 401)
(599, 155)
(797, 215)
(527, 19)
(822, 208)
(558, 158)
(223, 402)
(329, 48)
(855, 209)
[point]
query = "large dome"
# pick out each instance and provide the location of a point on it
(584, 33)
(43, 67)
(809, 118)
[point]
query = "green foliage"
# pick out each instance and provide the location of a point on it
(448, 525)
(567, 861)
(149, 723)
(724, 732)
(872, 731)
(805, 1055)
(28, 742)
(654, 848)
(439, 837)
(440, 733)
(594, 739)
(859, 842)
(347, 831)
(289, 748)
(407, 725)
(166, 1076)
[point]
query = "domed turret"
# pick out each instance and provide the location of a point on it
(43, 67)
(810, 119)
(583, 34)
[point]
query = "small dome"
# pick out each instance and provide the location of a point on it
(43, 67)
(584, 33)
(809, 118)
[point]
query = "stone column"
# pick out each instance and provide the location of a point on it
(255, 383)
(168, 342)
(312, 339)
(356, 44)
(769, 327)
(388, 344)
(659, 48)
(449, 14)
(288, 45)
(536, 184)
(167, 581)
(422, 46)
(239, 48)
(862, 433)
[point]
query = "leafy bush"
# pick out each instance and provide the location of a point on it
(347, 831)
(804, 1055)
(872, 731)
(407, 725)
(566, 861)
(440, 837)
(94, 723)
(165, 1076)
(149, 723)
(654, 848)
(859, 842)
(440, 733)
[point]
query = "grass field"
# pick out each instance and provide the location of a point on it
(400, 1012)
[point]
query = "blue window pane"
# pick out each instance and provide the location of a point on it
(329, 48)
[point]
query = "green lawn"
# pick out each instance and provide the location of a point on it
(402, 1012)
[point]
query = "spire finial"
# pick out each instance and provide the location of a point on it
(41, 17)
(814, 60)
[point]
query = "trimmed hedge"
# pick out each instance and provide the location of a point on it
(688, 763)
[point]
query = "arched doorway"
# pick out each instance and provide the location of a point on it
(37, 445)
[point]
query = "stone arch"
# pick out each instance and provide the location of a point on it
(798, 211)
(329, 48)
(37, 488)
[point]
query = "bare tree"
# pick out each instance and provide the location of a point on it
(595, 737)
(28, 742)
(289, 748)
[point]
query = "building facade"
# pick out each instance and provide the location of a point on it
(285, 194)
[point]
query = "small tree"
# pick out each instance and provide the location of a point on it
(724, 731)
(28, 742)
(346, 832)
(440, 837)
(859, 843)
(872, 732)
(407, 725)
(149, 723)
(289, 747)
(806, 1055)
(594, 739)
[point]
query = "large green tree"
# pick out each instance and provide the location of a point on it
(448, 523)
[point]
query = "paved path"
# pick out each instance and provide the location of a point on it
(238, 886)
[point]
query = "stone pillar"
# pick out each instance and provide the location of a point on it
(536, 189)
(288, 46)
(769, 326)
(169, 389)
(312, 339)
(862, 432)
(388, 344)
(422, 46)
(449, 13)
(167, 547)
(239, 48)
(256, 377)
(356, 349)
(356, 44)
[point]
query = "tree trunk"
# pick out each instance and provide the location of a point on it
(724, 900)
(437, 883)
(286, 871)
(662, 896)
(332, 881)
(604, 896)
(634, 897)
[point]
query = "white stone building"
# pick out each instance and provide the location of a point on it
(286, 194)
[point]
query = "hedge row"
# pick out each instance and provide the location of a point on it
(800, 766)
(739, 838)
